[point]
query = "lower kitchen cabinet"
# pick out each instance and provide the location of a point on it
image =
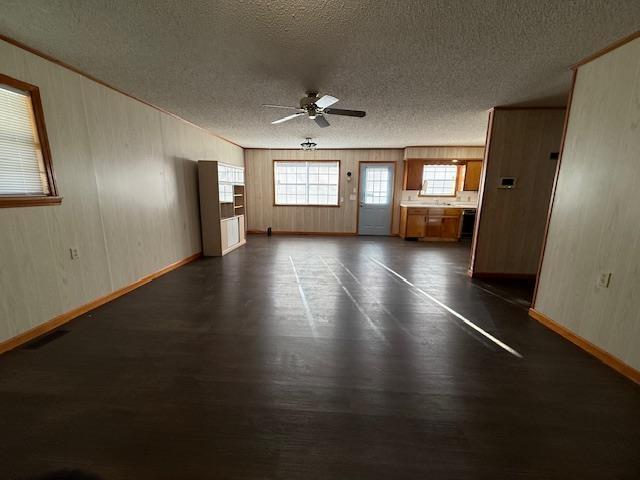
(434, 227)
(451, 227)
(415, 226)
(431, 223)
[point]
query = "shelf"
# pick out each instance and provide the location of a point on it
(231, 217)
(222, 199)
(226, 209)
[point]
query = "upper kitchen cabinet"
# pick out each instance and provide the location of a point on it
(469, 177)
(413, 175)
(472, 176)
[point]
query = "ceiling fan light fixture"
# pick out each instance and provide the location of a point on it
(308, 145)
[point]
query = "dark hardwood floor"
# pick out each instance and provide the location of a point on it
(219, 371)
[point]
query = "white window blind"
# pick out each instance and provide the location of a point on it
(439, 180)
(22, 171)
(306, 183)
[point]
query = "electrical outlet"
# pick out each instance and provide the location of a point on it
(604, 279)
(75, 254)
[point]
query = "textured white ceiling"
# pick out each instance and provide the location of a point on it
(425, 71)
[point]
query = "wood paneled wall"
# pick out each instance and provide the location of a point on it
(261, 213)
(511, 225)
(594, 226)
(445, 152)
(416, 156)
(127, 175)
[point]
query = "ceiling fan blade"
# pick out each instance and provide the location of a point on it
(268, 105)
(321, 121)
(325, 101)
(348, 113)
(286, 119)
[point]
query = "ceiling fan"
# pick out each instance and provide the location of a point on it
(315, 108)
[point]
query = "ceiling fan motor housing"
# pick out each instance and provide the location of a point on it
(308, 103)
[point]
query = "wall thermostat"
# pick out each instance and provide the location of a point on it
(507, 182)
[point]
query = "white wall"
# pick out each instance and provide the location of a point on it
(127, 174)
(595, 223)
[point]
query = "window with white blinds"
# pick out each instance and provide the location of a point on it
(22, 169)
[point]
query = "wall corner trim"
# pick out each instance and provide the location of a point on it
(63, 318)
(605, 357)
(618, 43)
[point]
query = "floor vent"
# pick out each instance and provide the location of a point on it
(45, 339)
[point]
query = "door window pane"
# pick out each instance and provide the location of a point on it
(377, 187)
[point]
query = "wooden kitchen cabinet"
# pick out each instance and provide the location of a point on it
(434, 227)
(415, 226)
(450, 227)
(413, 174)
(472, 176)
(430, 223)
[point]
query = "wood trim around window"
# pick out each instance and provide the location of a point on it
(314, 205)
(53, 197)
(448, 163)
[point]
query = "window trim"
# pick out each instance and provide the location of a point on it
(447, 163)
(313, 205)
(53, 198)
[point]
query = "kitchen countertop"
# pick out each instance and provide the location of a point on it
(439, 205)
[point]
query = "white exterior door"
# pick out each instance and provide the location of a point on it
(376, 198)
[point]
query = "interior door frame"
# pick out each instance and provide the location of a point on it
(393, 193)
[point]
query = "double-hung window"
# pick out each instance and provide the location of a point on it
(439, 180)
(26, 175)
(306, 183)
